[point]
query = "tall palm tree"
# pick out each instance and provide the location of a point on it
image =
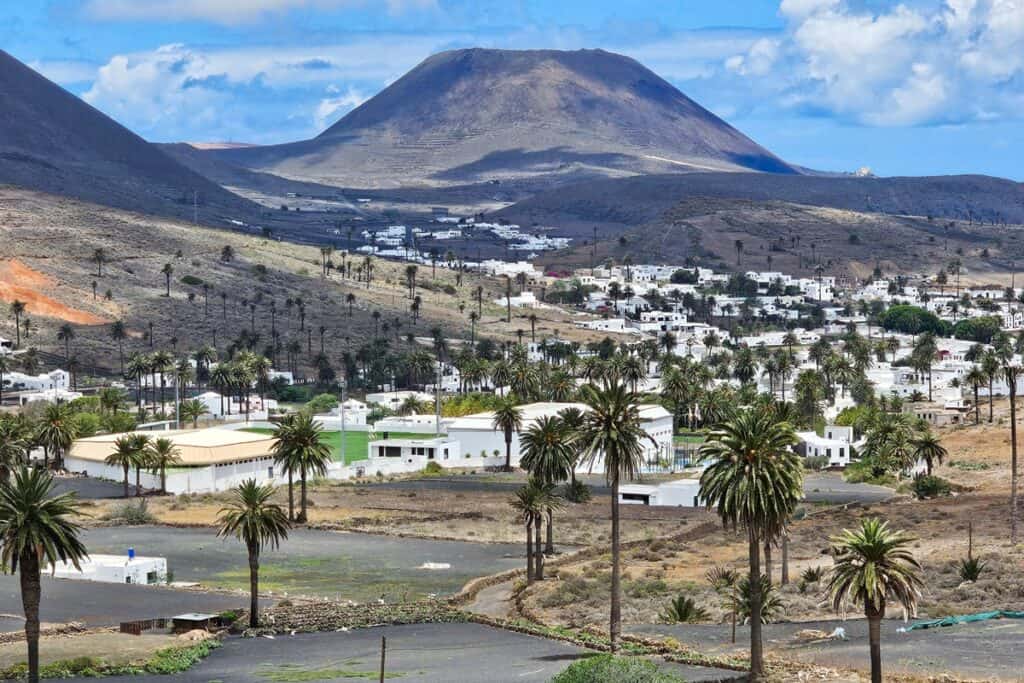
(990, 366)
(193, 409)
(545, 452)
(976, 378)
(1011, 373)
(161, 453)
(251, 518)
(36, 530)
(509, 419)
(119, 334)
(17, 309)
(15, 444)
(755, 481)
(302, 440)
(65, 334)
(527, 502)
(138, 368)
(927, 447)
(611, 432)
(284, 457)
(872, 566)
(56, 431)
(125, 455)
(167, 270)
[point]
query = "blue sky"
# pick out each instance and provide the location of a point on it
(913, 88)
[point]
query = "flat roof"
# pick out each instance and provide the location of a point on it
(196, 447)
(533, 411)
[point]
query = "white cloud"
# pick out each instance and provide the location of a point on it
(330, 108)
(227, 11)
(65, 72)
(927, 63)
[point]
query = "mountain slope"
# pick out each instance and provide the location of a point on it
(470, 115)
(52, 141)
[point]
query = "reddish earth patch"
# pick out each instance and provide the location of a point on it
(18, 281)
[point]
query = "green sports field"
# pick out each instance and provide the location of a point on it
(355, 442)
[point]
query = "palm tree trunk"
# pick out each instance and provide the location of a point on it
(163, 478)
(1013, 459)
(539, 564)
(549, 548)
(508, 452)
(768, 561)
(302, 495)
(126, 481)
(254, 588)
(785, 559)
(977, 408)
(30, 594)
(138, 485)
(756, 647)
(875, 639)
(990, 400)
(615, 625)
(529, 553)
(291, 496)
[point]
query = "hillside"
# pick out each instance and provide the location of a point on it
(794, 238)
(56, 281)
(52, 141)
(473, 115)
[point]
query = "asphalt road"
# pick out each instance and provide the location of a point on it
(467, 653)
(987, 650)
(344, 566)
(106, 604)
(818, 488)
(88, 488)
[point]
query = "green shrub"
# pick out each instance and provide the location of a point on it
(683, 610)
(131, 512)
(967, 466)
(576, 492)
(816, 463)
(970, 569)
(172, 660)
(321, 403)
(812, 574)
(191, 280)
(771, 602)
(930, 486)
(433, 468)
(646, 588)
(611, 669)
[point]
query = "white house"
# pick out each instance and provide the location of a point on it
(47, 381)
(678, 493)
(393, 400)
(127, 568)
(411, 455)
(835, 444)
(6, 346)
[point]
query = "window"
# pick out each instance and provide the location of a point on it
(270, 472)
(841, 452)
(639, 497)
(828, 452)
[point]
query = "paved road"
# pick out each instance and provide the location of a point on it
(344, 566)
(981, 651)
(106, 604)
(467, 653)
(818, 488)
(88, 488)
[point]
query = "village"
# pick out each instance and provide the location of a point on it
(875, 377)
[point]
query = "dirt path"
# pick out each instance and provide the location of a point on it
(493, 601)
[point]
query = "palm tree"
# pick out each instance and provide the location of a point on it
(544, 452)
(300, 441)
(36, 530)
(990, 366)
(611, 432)
(65, 334)
(192, 410)
(872, 566)
(253, 519)
(976, 379)
(119, 334)
(138, 367)
(56, 431)
(161, 454)
(167, 270)
(527, 503)
(927, 447)
(17, 309)
(755, 481)
(509, 419)
(125, 455)
(15, 444)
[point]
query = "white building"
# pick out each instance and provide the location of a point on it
(835, 444)
(127, 568)
(678, 493)
(47, 381)
(477, 436)
(411, 455)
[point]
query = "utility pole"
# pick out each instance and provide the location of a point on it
(383, 652)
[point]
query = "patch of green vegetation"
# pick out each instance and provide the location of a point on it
(688, 438)
(296, 673)
(968, 466)
(356, 443)
(612, 669)
(169, 660)
(132, 512)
